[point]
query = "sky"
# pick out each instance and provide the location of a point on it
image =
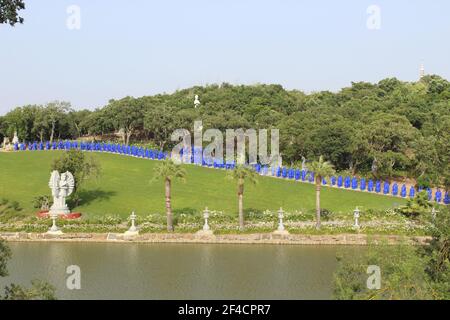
(143, 47)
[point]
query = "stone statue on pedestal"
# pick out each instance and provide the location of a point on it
(5, 142)
(15, 138)
(62, 186)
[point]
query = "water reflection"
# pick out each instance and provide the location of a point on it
(179, 271)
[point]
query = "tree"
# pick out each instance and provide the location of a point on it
(127, 115)
(82, 168)
(387, 130)
(322, 169)
(438, 254)
(419, 205)
(41, 123)
(168, 171)
(79, 122)
(9, 11)
(240, 174)
(158, 120)
(21, 120)
(39, 289)
(390, 140)
(402, 274)
(5, 255)
(407, 271)
(56, 111)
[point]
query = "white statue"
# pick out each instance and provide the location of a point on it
(196, 101)
(15, 138)
(304, 167)
(5, 142)
(62, 186)
(7, 146)
(280, 161)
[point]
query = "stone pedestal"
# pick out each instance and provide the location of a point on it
(281, 232)
(54, 230)
(205, 233)
(59, 209)
(131, 233)
(54, 233)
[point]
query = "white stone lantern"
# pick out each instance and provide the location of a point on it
(54, 230)
(356, 214)
(280, 220)
(281, 230)
(206, 230)
(206, 217)
(133, 230)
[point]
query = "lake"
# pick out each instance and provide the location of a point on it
(179, 271)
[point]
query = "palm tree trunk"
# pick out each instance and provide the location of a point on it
(318, 203)
(241, 212)
(169, 206)
(241, 204)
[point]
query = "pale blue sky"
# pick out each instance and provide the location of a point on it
(144, 47)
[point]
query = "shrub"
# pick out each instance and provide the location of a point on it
(416, 206)
(42, 202)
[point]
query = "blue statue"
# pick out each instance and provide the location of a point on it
(438, 196)
(378, 186)
(362, 184)
(403, 192)
(395, 189)
(412, 192)
(339, 182)
(386, 187)
(347, 182)
(354, 183)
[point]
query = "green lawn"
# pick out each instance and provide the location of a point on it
(125, 186)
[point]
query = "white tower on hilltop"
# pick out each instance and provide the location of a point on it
(421, 71)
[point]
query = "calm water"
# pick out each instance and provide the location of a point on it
(179, 271)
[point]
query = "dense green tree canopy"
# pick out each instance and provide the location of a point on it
(9, 11)
(390, 128)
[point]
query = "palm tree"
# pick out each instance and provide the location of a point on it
(169, 171)
(321, 169)
(240, 174)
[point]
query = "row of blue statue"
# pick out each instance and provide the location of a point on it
(196, 157)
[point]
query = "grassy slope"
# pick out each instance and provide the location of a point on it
(125, 186)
